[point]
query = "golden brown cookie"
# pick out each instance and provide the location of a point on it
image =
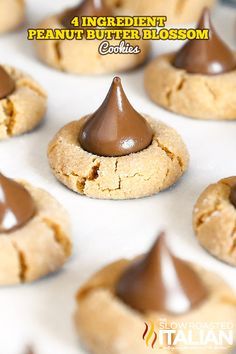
(193, 95)
(177, 11)
(133, 176)
(199, 79)
(35, 237)
(12, 14)
(82, 56)
(107, 325)
(116, 152)
(24, 108)
(214, 220)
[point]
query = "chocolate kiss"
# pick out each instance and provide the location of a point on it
(115, 129)
(16, 205)
(86, 8)
(161, 282)
(7, 85)
(232, 196)
(208, 57)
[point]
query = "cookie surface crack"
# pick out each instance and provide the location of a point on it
(166, 150)
(92, 176)
(119, 178)
(166, 176)
(32, 87)
(94, 173)
(81, 180)
(10, 116)
(173, 90)
(58, 53)
(233, 236)
(211, 91)
(22, 263)
(59, 236)
(139, 175)
(180, 7)
(204, 217)
(169, 96)
(81, 185)
(180, 85)
(171, 155)
(52, 147)
(180, 162)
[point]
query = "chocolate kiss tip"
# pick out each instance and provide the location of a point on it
(17, 206)
(206, 57)
(116, 128)
(160, 241)
(161, 282)
(85, 8)
(205, 19)
(117, 80)
(206, 12)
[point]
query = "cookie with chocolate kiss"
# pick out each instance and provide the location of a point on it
(34, 232)
(119, 306)
(82, 56)
(23, 102)
(176, 11)
(214, 219)
(207, 57)
(199, 80)
(85, 8)
(117, 152)
(161, 282)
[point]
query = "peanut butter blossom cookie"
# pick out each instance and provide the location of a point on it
(34, 233)
(214, 219)
(22, 102)
(117, 153)
(82, 56)
(176, 11)
(115, 304)
(198, 81)
(12, 14)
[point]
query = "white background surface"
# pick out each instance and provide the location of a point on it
(41, 313)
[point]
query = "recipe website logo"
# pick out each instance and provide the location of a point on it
(188, 335)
